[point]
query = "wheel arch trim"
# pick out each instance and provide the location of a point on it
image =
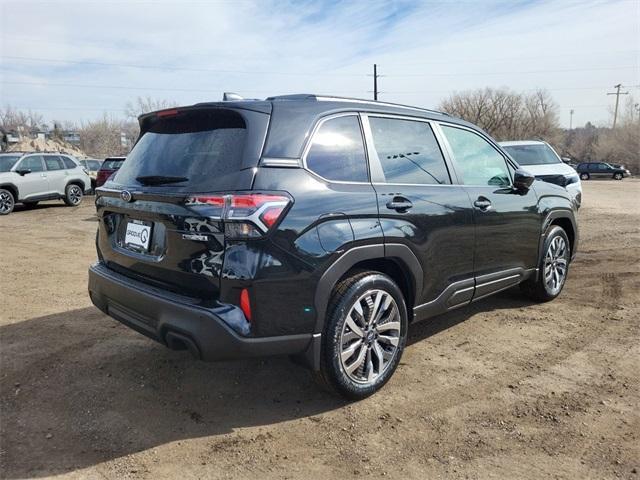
(354, 256)
(13, 188)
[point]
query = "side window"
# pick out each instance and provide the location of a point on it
(53, 163)
(33, 163)
(481, 164)
(337, 150)
(408, 151)
(68, 163)
(603, 166)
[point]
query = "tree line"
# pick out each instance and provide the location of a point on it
(509, 115)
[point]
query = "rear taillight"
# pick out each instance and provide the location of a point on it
(244, 215)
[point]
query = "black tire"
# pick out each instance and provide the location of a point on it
(584, 176)
(617, 176)
(73, 195)
(7, 202)
(29, 205)
(377, 339)
(540, 289)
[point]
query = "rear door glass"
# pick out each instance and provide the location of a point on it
(200, 146)
(54, 163)
(408, 151)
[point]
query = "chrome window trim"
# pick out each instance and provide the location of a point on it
(280, 162)
(439, 124)
(307, 147)
(374, 160)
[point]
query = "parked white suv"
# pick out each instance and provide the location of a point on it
(540, 159)
(28, 178)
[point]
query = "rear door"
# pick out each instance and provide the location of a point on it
(160, 215)
(507, 221)
(422, 208)
(56, 174)
(35, 183)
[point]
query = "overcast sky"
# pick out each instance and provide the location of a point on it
(75, 60)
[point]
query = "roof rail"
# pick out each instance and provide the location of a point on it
(332, 98)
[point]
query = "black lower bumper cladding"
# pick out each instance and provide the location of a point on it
(178, 322)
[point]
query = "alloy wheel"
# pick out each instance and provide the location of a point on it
(6, 202)
(370, 336)
(75, 194)
(555, 264)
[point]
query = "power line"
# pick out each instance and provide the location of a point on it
(185, 69)
(617, 93)
(249, 72)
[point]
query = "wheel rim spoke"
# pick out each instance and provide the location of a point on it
(349, 352)
(370, 336)
(362, 354)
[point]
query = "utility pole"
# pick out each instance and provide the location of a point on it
(375, 81)
(617, 93)
(571, 119)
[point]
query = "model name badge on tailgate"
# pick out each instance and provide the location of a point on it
(197, 238)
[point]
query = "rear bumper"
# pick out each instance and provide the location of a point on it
(177, 322)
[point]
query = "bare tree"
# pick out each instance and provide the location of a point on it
(145, 105)
(507, 115)
(102, 138)
(622, 145)
(19, 121)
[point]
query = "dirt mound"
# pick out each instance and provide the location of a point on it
(46, 145)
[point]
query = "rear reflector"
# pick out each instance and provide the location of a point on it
(245, 304)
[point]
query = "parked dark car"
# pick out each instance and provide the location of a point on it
(589, 170)
(109, 167)
(318, 227)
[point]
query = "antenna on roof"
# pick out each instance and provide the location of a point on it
(231, 97)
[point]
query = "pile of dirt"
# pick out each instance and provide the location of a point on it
(46, 145)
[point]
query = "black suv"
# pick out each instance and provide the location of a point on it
(318, 227)
(589, 170)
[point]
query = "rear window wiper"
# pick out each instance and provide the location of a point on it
(159, 179)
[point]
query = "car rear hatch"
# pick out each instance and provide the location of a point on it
(153, 226)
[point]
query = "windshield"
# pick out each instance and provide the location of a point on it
(538, 154)
(194, 151)
(7, 162)
(112, 164)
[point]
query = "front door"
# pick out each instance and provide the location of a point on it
(421, 208)
(507, 221)
(35, 183)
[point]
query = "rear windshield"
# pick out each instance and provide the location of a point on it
(196, 146)
(112, 164)
(538, 154)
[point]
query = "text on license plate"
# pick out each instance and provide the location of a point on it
(138, 235)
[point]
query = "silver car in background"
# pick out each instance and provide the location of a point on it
(28, 178)
(540, 159)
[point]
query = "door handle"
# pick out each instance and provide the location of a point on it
(399, 204)
(483, 204)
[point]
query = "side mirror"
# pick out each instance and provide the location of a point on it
(23, 171)
(522, 180)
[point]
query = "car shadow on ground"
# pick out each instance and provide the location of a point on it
(78, 389)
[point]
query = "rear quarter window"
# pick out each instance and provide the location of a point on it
(68, 163)
(337, 150)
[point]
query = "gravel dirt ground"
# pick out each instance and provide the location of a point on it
(503, 389)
